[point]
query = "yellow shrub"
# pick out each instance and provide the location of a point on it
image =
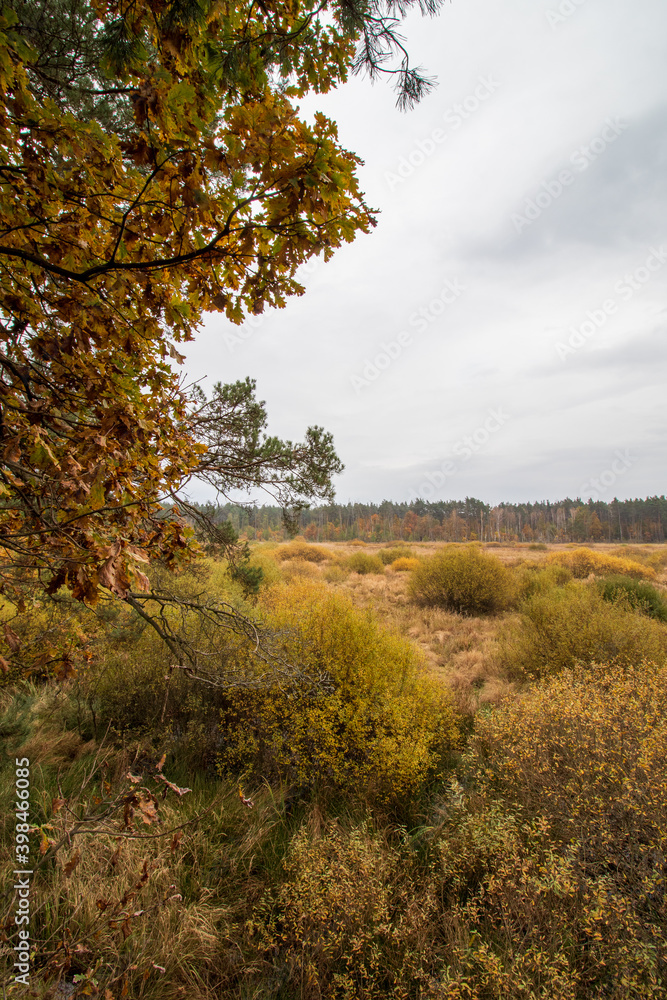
(336, 573)
(332, 916)
(586, 749)
(649, 555)
(573, 623)
(51, 637)
(299, 568)
(404, 565)
(363, 562)
(264, 558)
(584, 561)
(466, 580)
(574, 886)
(302, 550)
(379, 728)
(397, 552)
(538, 578)
(658, 560)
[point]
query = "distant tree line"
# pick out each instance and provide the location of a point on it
(457, 521)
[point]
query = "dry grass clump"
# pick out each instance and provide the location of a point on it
(573, 623)
(651, 555)
(297, 569)
(124, 908)
(405, 564)
(303, 550)
(363, 562)
(466, 580)
(582, 562)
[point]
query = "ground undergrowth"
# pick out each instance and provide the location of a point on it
(469, 804)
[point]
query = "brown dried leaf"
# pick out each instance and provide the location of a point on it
(142, 581)
(175, 788)
(45, 842)
(148, 809)
(72, 863)
(12, 639)
(246, 802)
(173, 353)
(128, 812)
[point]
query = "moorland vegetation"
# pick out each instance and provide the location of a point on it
(451, 797)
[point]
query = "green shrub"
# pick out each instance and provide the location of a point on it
(263, 558)
(580, 749)
(391, 555)
(583, 561)
(378, 729)
(362, 562)
(564, 625)
(466, 580)
(637, 594)
(536, 578)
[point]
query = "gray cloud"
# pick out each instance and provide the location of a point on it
(450, 218)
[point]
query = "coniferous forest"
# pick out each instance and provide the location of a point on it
(639, 520)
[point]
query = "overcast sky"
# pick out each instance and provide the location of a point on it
(501, 332)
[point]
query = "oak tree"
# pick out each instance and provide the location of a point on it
(154, 167)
